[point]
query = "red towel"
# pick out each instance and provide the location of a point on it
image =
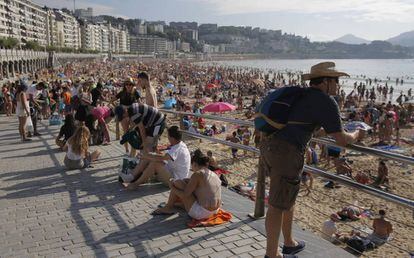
(220, 217)
(220, 171)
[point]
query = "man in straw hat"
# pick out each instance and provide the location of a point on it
(282, 152)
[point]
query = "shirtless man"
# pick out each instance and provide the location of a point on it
(382, 176)
(382, 229)
(150, 93)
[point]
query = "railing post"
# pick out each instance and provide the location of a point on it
(117, 136)
(259, 205)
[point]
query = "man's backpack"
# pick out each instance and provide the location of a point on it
(273, 112)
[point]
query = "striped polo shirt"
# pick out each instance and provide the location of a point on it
(148, 115)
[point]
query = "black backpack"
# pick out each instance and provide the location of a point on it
(360, 245)
(357, 244)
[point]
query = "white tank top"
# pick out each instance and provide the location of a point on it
(71, 155)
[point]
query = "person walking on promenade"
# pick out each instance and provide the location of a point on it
(282, 153)
(34, 93)
(22, 110)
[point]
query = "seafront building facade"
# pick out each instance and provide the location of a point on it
(68, 30)
(23, 20)
(62, 29)
(26, 21)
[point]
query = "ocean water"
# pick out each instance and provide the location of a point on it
(373, 68)
(357, 68)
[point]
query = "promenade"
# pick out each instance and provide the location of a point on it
(46, 211)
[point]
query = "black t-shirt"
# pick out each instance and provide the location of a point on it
(316, 109)
(126, 98)
(66, 131)
(96, 95)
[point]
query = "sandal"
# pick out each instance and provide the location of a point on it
(160, 212)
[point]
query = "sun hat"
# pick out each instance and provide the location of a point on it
(324, 69)
(130, 81)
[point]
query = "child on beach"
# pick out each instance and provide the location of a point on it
(246, 135)
(235, 139)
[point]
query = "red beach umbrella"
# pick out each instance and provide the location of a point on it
(211, 86)
(219, 107)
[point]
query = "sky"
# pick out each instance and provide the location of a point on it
(319, 20)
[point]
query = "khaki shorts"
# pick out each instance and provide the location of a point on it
(283, 163)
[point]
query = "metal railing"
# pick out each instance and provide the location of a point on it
(260, 190)
(323, 140)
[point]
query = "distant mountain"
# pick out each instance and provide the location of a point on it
(405, 39)
(352, 39)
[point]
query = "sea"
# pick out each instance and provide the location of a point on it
(384, 70)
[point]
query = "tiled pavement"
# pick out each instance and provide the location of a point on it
(46, 211)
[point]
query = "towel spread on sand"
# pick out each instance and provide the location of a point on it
(220, 171)
(219, 218)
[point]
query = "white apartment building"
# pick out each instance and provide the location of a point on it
(23, 20)
(146, 44)
(27, 21)
(68, 30)
(91, 36)
(119, 40)
(104, 42)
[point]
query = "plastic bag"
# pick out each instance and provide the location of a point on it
(29, 124)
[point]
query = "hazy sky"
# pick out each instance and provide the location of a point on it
(320, 20)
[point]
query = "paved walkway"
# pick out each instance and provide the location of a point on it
(46, 211)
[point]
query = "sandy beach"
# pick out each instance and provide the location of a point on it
(313, 209)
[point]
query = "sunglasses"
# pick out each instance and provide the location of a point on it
(335, 79)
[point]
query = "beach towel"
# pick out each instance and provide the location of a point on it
(391, 148)
(219, 218)
(220, 171)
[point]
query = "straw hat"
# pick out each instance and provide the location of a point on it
(324, 69)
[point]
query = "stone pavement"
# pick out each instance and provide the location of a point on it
(46, 211)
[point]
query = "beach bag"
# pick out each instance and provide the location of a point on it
(132, 137)
(360, 245)
(356, 244)
(273, 112)
(55, 119)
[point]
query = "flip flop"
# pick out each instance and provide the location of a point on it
(294, 249)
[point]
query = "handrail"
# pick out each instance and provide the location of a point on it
(367, 150)
(362, 149)
(212, 117)
(402, 201)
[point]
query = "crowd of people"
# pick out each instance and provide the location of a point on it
(90, 95)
